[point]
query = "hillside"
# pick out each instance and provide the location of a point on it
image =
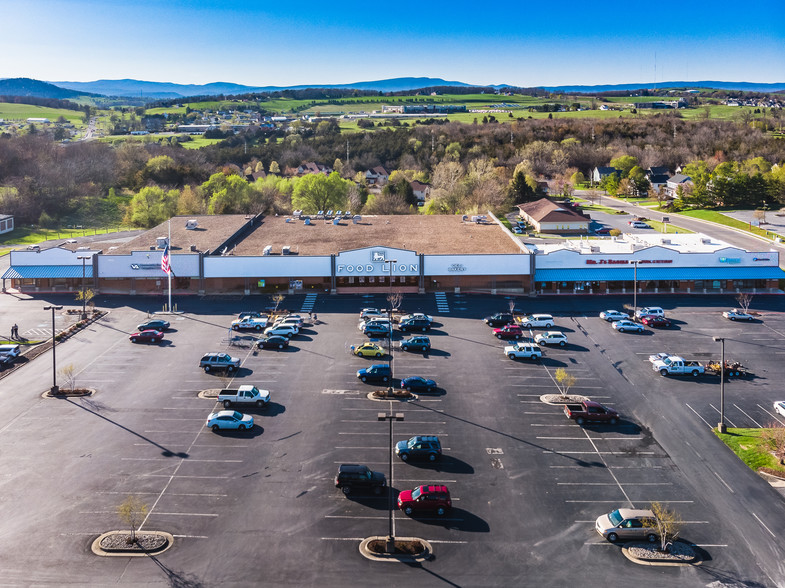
(39, 89)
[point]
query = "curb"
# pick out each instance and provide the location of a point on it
(395, 558)
(571, 399)
(370, 396)
(87, 392)
(95, 547)
(695, 561)
(209, 394)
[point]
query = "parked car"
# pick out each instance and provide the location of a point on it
(649, 311)
(551, 338)
(250, 314)
(508, 332)
(295, 322)
(415, 324)
(537, 320)
(523, 351)
(369, 313)
(626, 326)
(418, 384)
(284, 330)
(517, 230)
(499, 319)
(613, 315)
(779, 407)
(219, 361)
(735, 314)
(419, 447)
(148, 336)
(229, 419)
(376, 330)
(655, 321)
(379, 372)
(421, 342)
(602, 231)
(367, 349)
(627, 523)
(415, 315)
(154, 324)
(273, 342)
(428, 499)
(249, 323)
(352, 477)
(590, 411)
(639, 225)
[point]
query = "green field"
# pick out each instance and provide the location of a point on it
(26, 235)
(21, 112)
(198, 142)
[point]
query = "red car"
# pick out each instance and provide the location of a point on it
(428, 499)
(148, 336)
(509, 332)
(655, 321)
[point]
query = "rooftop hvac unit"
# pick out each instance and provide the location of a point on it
(706, 241)
(337, 220)
(83, 249)
(267, 250)
(286, 250)
(193, 248)
(161, 242)
(356, 219)
(287, 220)
(297, 213)
(191, 224)
(307, 221)
(153, 247)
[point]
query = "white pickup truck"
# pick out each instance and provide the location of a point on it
(673, 365)
(249, 323)
(244, 395)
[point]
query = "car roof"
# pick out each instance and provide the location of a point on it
(426, 437)
(430, 489)
(352, 467)
(632, 513)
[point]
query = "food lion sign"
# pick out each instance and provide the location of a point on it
(376, 262)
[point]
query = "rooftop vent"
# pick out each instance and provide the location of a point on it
(307, 221)
(337, 220)
(191, 224)
(286, 250)
(356, 219)
(267, 250)
(193, 248)
(161, 242)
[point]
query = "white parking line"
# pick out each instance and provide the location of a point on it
(188, 477)
(614, 484)
(191, 536)
(408, 422)
(189, 459)
(598, 452)
(717, 410)
(617, 502)
(723, 481)
(771, 414)
(697, 415)
(748, 416)
(764, 525)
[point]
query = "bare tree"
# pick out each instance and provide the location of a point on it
(760, 216)
(68, 374)
(394, 299)
(773, 439)
(667, 522)
(744, 300)
(277, 298)
(564, 381)
(132, 512)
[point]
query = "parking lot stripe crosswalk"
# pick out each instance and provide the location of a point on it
(441, 302)
(309, 302)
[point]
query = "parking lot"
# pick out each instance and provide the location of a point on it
(260, 507)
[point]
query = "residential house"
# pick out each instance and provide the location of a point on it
(6, 223)
(313, 167)
(658, 177)
(600, 173)
(672, 186)
(377, 176)
(547, 216)
(421, 190)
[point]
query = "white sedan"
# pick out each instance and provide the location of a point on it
(286, 330)
(613, 315)
(229, 419)
(779, 407)
(626, 326)
(735, 314)
(416, 315)
(369, 313)
(551, 338)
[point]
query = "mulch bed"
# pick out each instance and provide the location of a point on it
(76, 392)
(401, 547)
(144, 542)
(772, 472)
(679, 552)
(395, 394)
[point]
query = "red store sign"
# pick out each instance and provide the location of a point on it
(624, 261)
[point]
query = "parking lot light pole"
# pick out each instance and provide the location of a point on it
(398, 416)
(634, 263)
(54, 389)
(84, 259)
(389, 338)
(721, 426)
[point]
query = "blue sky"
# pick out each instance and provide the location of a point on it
(523, 43)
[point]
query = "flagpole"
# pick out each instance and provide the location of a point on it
(169, 273)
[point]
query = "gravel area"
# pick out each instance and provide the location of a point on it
(144, 542)
(680, 552)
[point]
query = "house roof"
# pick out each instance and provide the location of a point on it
(544, 210)
(679, 179)
(657, 170)
(606, 170)
(418, 186)
(658, 178)
(379, 170)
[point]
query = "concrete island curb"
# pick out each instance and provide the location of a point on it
(392, 557)
(209, 394)
(557, 399)
(80, 394)
(95, 547)
(411, 398)
(695, 561)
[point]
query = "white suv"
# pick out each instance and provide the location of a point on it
(537, 320)
(649, 311)
(551, 338)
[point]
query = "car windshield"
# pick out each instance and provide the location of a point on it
(615, 518)
(411, 443)
(416, 493)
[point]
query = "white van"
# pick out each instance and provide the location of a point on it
(649, 311)
(537, 320)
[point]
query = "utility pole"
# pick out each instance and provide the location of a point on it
(54, 389)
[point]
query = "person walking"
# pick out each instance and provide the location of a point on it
(15, 331)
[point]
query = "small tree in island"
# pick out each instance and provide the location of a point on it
(667, 522)
(564, 381)
(132, 512)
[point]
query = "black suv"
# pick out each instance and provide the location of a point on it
(419, 447)
(421, 342)
(415, 324)
(499, 319)
(378, 372)
(359, 477)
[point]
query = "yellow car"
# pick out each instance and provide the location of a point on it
(368, 350)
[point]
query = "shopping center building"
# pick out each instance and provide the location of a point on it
(236, 254)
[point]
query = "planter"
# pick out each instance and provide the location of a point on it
(397, 394)
(118, 543)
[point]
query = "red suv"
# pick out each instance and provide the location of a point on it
(655, 321)
(425, 499)
(509, 332)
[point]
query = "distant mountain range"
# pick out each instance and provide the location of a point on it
(167, 90)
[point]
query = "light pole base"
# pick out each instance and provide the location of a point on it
(390, 548)
(722, 428)
(54, 390)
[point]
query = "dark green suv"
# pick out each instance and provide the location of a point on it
(352, 477)
(419, 447)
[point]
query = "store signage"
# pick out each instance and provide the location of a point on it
(761, 259)
(369, 268)
(295, 284)
(456, 267)
(730, 259)
(145, 266)
(378, 256)
(624, 261)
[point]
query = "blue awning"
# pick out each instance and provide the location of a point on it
(620, 274)
(48, 271)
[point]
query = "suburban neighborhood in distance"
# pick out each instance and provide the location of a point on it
(507, 311)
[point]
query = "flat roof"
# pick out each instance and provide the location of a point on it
(629, 243)
(210, 232)
(429, 234)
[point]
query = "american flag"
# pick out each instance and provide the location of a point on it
(165, 266)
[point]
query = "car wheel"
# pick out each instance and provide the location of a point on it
(424, 329)
(227, 403)
(499, 336)
(260, 403)
(548, 325)
(408, 510)
(613, 537)
(280, 345)
(651, 537)
(562, 344)
(432, 456)
(216, 428)
(364, 379)
(230, 368)
(511, 355)
(133, 339)
(622, 331)
(441, 511)
(207, 368)
(695, 373)
(384, 379)
(236, 328)
(378, 355)
(579, 420)
(241, 428)
(258, 328)
(733, 318)
(612, 421)
(424, 349)
(663, 372)
(346, 490)
(408, 388)
(404, 457)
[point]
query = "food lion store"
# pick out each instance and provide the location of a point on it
(686, 264)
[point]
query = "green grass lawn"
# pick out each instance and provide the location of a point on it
(198, 142)
(21, 112)
(598, 208)
(25, 235)
(658, 226)
(718, 217)
(749, 447)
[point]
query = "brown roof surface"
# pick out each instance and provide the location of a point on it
(547, 210)
(211, 231)
(431, 234)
